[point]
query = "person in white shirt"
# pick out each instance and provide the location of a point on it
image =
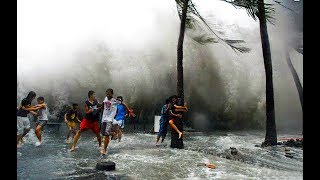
(108, 122)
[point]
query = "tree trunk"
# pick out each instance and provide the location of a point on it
(271, 133)
(175, 141)
(180, 50)
(295, 78)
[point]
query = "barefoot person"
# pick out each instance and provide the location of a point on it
(175, 113)
(70, 117)
(23, 123)
(164, 120)
(109, 111)
(42, 118)
(122, 112)
(90, 121)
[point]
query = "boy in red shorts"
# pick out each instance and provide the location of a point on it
(90, 121)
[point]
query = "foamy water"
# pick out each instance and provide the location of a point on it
(136, 157)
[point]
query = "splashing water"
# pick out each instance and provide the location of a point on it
(137, 157)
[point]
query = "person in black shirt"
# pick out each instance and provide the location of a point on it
(70, 118)
(175, 113)
(90, 121)
(23, 123)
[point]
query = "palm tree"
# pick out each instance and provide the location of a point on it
(180, 49)
(295, 78)
(189, 18)
(262, 11)
(188, 14)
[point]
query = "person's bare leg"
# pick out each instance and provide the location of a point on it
(75, 140)
(73, 133)
(119, 133)
(68, 134)
(99, 138)
(38, 132)
(173, 126)
(25, 132)
(19, 137)
(158, 138)
(105, 145)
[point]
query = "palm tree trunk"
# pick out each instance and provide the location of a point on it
(175, 141)
(271, 133)
(295, 78)
(180, 50)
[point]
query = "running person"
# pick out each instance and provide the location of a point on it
(23, 123)
(108, 123)
(90, 121)
(42, 118)
(122, 112)
(70, 118)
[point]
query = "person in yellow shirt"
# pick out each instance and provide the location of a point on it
(70, 118)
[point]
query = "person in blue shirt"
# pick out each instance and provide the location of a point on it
(122, 112)
(164, 121)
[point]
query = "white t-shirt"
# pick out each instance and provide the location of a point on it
(110, 109)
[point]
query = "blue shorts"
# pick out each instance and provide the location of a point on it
(119, 122)
(163, 127)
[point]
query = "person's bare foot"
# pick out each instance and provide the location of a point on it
(72, 149)
(180, 135)
(103, 152)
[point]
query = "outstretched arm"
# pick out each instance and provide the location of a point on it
(129, 112)
(29, 108)
(34, 113)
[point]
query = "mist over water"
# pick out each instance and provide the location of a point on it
(66, 48)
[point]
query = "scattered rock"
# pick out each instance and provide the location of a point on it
(232, 154)
(107, 166)
(289, 155)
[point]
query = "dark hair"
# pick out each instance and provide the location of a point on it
(179, 101)
(110, 90)
(31, 95)
(74, 104)
(167, 101)
(120, 97)
(90, 93)
(171, 97)
(40, 98)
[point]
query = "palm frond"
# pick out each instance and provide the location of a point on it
(204, 39)
(231, 41)
(252, 8)
(239, 48)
